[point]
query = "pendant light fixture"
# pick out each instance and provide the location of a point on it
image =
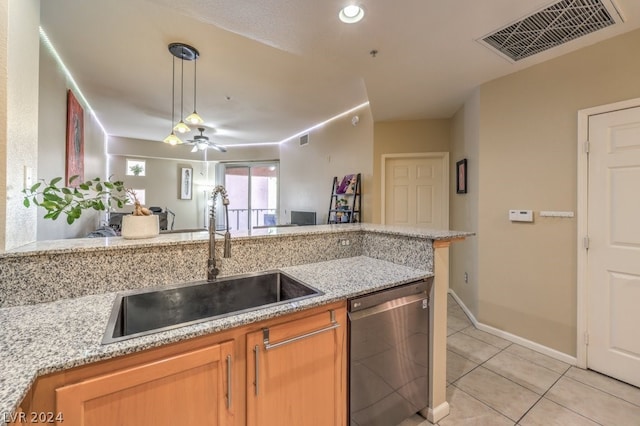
(172, 139)
(194, 118)
(184, 52)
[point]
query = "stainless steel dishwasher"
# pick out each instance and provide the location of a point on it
(389, 354)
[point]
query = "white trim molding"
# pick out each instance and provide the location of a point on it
(444, 156)
(560, 356)
(582, 302)
(434, 415)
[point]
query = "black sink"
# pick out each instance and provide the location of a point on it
(141, 312)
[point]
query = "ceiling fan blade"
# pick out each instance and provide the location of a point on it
(194, 149)
(218, 147)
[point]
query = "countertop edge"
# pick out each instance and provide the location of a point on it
(76, 245)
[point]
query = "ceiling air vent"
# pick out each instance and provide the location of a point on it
(304, 140)
(557, 24)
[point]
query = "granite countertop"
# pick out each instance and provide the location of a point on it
(93, 244)
(49, 337)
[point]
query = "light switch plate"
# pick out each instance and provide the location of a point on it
(521, 215)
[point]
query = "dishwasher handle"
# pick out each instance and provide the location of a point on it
(391, 304)
(268, 345)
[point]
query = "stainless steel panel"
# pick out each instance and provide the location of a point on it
(389, 356)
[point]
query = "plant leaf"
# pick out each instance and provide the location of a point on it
(55, 181)
(70, 219)
(35, 186)
(26, 202)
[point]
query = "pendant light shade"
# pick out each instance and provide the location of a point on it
(172, 139)
(194, 118)
(181, 127)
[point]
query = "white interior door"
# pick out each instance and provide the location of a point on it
(613, 259)
(416, 191)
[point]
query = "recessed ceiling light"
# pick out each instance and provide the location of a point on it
(351, 14)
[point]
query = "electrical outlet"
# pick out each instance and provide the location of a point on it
(28, 176)
(344, 241)
(466, 277)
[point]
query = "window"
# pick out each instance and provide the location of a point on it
(253, 192)
(136, 167)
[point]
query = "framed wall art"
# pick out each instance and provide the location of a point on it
(461, 176)
(186, 183)
(75, 140)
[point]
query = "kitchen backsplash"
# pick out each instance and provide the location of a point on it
(43, 277)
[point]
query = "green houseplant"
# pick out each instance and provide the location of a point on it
(136, 169)
(95, 194)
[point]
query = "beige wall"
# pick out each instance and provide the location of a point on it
(393, 137)
(52, 146)
(161, 184)
(335, 149)
(21, 136)
(463, 208)
(527, 153)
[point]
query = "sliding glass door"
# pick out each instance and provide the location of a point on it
(253, 194)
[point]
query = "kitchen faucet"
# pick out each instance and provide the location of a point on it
(212, 270)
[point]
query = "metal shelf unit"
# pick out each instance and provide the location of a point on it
(347, 211)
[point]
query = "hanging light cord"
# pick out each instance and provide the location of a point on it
(182, 85)
(195, 74)
(173, 93)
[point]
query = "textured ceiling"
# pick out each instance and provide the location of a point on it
(286, 64)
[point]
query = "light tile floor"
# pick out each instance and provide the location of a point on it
(491, 381)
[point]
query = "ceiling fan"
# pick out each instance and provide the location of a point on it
(201, 142)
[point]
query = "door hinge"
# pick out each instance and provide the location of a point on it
(586, 337)
(587, 146)
(585, 242)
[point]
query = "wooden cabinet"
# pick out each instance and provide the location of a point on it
(209, 380)
(189, 388)
(296, 372)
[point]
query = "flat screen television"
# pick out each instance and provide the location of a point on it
(303, 218)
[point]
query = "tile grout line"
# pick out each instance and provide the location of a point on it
(596, 389)
(567, 408)
(602, 390)
(542, 397)
(507, 378)
(516, 383)
(481, 402)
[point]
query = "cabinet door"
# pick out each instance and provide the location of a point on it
(296, 372)
(190, 388)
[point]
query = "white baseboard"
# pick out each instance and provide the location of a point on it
(560, 356)
(434, 415)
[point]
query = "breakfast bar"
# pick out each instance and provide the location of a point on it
(57, 296)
